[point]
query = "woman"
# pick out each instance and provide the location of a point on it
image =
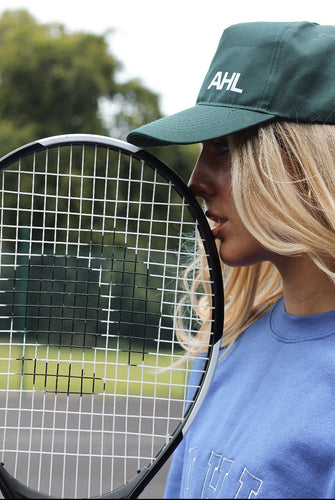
(265, 118)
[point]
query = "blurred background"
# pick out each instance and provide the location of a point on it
(108, 66)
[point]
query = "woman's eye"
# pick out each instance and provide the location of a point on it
(223, 146)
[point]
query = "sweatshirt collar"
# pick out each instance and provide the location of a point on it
(289, 328)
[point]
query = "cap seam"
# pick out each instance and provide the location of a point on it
(274, 55)
(234, 106)
(288, 32)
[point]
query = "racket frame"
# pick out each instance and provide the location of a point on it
(11, 487)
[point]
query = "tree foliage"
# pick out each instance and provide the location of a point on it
(56, 82)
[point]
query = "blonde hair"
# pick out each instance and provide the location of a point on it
(283, 184)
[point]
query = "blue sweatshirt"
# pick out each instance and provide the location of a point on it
(267, 426)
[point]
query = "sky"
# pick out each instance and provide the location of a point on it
(168, 45)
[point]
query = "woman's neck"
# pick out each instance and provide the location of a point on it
(307, 289)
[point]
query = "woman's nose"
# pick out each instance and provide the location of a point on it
(200, 182)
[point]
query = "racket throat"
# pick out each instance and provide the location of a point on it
(12, 488)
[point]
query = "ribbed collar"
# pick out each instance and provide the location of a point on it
(289, 328)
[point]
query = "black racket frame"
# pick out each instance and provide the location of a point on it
(11, 487)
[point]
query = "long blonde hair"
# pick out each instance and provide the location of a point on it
(283, 184)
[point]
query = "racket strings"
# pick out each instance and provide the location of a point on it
(94, 246)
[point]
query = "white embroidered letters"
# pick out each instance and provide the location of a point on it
(226, 80)
(217, 472)
(249, 485)
(222, 478)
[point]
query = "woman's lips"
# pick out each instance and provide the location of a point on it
(220, 221)
(217, 229)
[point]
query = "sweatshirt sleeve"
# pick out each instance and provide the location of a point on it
(174, 479)
(175, 482)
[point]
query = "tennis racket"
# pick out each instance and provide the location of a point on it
(99, 317)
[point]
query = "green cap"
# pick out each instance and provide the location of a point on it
(260, 71)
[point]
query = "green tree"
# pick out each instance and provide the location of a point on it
(55, 82)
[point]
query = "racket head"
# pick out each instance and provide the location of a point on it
(96, 238)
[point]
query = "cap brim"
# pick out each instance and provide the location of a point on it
(197, 124)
